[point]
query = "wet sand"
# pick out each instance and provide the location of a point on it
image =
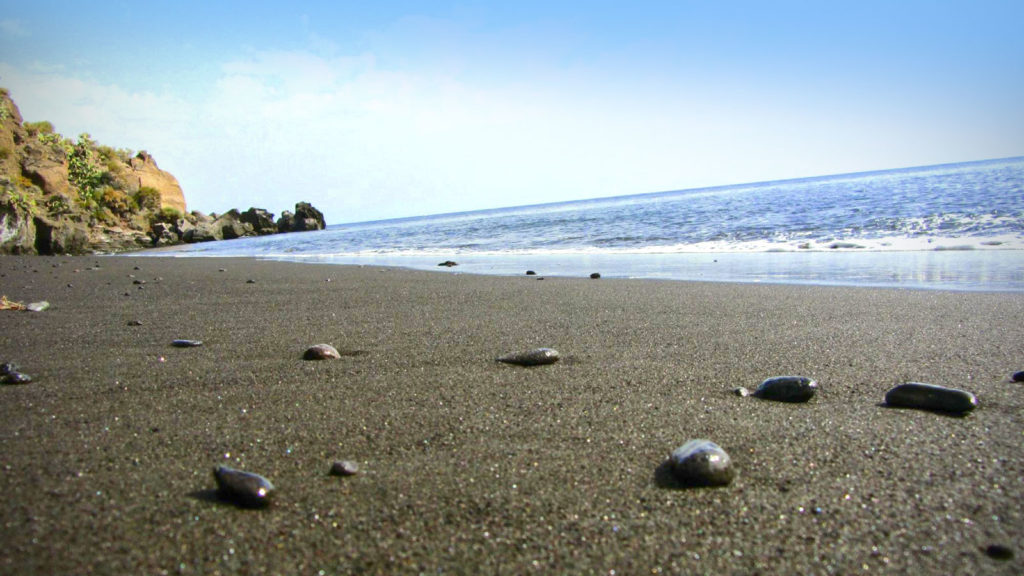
(469, 466)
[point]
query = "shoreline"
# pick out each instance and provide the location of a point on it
(469, 466)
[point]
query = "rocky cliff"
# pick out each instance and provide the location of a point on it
(59, 195)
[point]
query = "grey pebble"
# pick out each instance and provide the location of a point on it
(15, 377)
(787, 389)
(321, 352)
(535, 357)
(186, 343)
(344, 468)
(931, 397)
(701, 463)
(244, 488)
(741, 392)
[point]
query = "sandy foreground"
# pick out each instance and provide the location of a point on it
(468, 466)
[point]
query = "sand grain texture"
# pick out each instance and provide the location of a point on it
(469, 466)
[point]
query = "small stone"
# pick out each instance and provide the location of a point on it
(787, 389)
(531, 273)
(595, 275)
(1018, 376)
(243, 488)
(701, 463)
(448, 264)
(741, 392)
(15, 377)
(8, 367)
(535, 357)
(37, 306)
(999, 552)
(321, 352)
(186, 343)
(931, 397)
(135, 322)
(138, 282)
(250, 281)
(344, 468)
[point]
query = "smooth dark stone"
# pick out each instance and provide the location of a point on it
(535, 357)
(531, 273)
(701, 463)
(1018, 376)
(321, 352)
(135, 322)
(787, 389)
(15, 377)
(344, 468)
(250, 281)
(931, 397)
(595, 275)
(999, 552)
(8, 367)
(187, 343)
(243, 488)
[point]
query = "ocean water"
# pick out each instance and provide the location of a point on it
(954, 226)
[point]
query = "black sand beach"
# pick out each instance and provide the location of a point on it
(469, 466)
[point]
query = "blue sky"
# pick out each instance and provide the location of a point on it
(384, 109)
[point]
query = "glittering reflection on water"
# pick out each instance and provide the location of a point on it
(981, 270)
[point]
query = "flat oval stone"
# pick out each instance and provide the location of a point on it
(701, 463)
(181, 343)
(243, 488)
(1018, 376)
(15, 377)
(321, 352)
(344, 468)
(535, 357)
(38, 306)
(787, 389)
(931, 397)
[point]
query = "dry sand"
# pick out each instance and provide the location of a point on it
(469, 466)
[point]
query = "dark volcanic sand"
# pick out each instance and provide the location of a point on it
(469, 466)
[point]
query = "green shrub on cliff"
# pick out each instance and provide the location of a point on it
(148, 198)
(37, 129)
(83, 171)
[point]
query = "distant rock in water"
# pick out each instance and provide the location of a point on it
(931, 397)
(448, 263)
(595, 276)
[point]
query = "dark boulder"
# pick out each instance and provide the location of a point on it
(307, 218)
(60, 236)
(262, 222)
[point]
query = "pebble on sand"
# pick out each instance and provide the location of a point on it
(344, 468)
(701, 463)
(182, 343)
(243, 488)
(1018, 376)
(931, 397)
(37, 306)
(787, 389)
(535, 357)
(741, 392)
(321, 352)
(9, 374)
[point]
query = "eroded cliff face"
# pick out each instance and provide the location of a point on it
(58, 195)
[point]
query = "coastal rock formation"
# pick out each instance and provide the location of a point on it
(146, 174)
(64, 196)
